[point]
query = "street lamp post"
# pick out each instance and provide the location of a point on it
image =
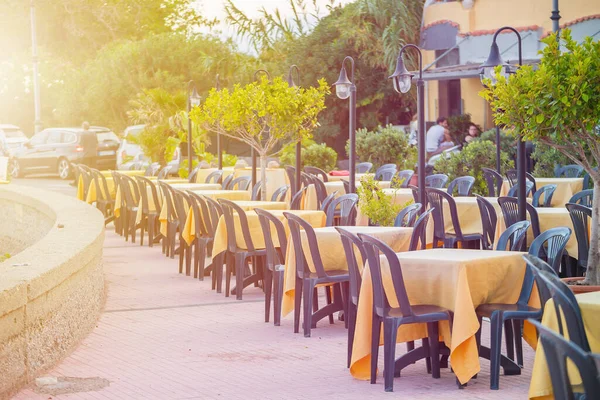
(219, 152)
(193, 101)
(36, 78)
(252, 152)
(402, 80)
(488, 72)
(555, 17)
(291, 83)
(345, 88)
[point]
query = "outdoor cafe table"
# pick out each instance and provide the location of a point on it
(189, 230)
(589, 303)
(332, 253)
(565, 188)
(276, 178)
(339, 178)
(203, 173)
(310, 198)
(457, 279)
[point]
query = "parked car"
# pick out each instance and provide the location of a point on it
(129, 153)
(54, 149)
(11, 137)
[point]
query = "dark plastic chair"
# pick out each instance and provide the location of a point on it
(291, 174)
(320, 189)
(236, 257)
(511, 174)
(149, 217)
(408, 215)
(489, 219)
(537, 264)
(346, 186)
(550, 246)
(493, 180)
(342, 210)
(585, 197)
(419, 231)
(393, 318)
(192, 176)
(306, 281)
(86, 175)
(206, 221)
(436, 198)
(240, 183)
(317, 172)
(363, 167)
(168, 243)
(215, 210)
(557, 351)
(104, 202)
(581, 217)
(463, 186)
(296, 202)
(404, 177)
(226, 181)
(328, 200)
(256, 192)
(501, 315)
(436, 181)
(385, 173)
(131, 195)
(547, 191)
(152, 170)
(275, 264)
(415, 192)
(118, 220)
(510, 212)
(514, 190)
(570, 171)
(180, 199)
(513, 237)
(214, 177)
(280, 193)
(587, 180)
(164, 173)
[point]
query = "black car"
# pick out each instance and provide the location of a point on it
(54, 149)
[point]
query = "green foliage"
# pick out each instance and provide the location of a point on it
(288, 153)
(377, 205)
(320, 156)
(458, 125)
(4, 257)
(546, 159)
(229, 160)
(385, 146)
(184, 171)
(468, 162)
(508, 142)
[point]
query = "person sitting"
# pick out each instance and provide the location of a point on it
(472, 134)
(414, 126)
(435, 135)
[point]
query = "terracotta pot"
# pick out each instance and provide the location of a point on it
(579, 288)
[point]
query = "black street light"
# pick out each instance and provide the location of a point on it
(291, 83)
(345, 88)
(402, 80)
(219, 152)
(488, 72)
(252, 152)
(193, 101)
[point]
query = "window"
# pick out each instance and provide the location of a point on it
(14, 133)
(69, 137)
(107, 137)
(39, 139)
(54, 137)
(450, 59)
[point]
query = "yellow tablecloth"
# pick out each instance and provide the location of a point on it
(313, 217)
(399, 196)
(151, 204)
(457, 279)
(565, 188)
(203, 173)
(276, 178)
(194, 186)
(549, 218)
(589, 303)
(332, 253)
(357, 178)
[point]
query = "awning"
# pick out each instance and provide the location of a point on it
(463, 71)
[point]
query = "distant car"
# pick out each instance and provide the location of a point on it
(54, 149)
(12, 136)
(129, 153)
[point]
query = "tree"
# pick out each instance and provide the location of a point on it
(265, 115)
(558, 104)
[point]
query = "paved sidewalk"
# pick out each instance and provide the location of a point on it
(167, 336)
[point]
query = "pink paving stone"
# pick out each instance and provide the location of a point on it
(168, 336)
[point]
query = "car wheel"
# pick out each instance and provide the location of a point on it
(15, 169)
(64, 168)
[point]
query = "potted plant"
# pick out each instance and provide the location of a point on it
(558, 104)
(376, 204)
(265, 115)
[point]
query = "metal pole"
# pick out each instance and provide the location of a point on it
(555, 17)
(189, 138)
(421, 140)
(219, 152)
(521, 161)
(352, 134)
(498, 149)
(36, 79)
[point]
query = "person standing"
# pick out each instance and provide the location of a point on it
(435, 135)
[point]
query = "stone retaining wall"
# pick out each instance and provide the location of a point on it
(52, 286)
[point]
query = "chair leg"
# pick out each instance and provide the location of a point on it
(375, 335)
(229, 260)
(345, 286)
(495, 350)
(410, 345)
(188, 257)
(308, 299)
(218, 271)
(277, 296)
(518, 341)
(240, 263)
(390, 331)
(297, 303)
(510, 339)
(142, 225)
(328, 297)
(434, 348)
(425, 344)
(267, 286)
(181, 251)
(350, 318)
(151, 231)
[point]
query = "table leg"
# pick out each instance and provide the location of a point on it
(415, 355)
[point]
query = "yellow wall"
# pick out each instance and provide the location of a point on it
(472, 102)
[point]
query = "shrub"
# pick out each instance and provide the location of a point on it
(458, 125)
(377, 205)
(470, 160)
(320, 156)
(508, 142)
(385, 146)
(288, 153)
(547, 158)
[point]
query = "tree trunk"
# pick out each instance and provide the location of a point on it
(263, 177)
(592, 276)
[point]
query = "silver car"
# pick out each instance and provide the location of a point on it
(11, 138)
(129, 153)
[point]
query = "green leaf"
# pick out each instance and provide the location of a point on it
(539, 118)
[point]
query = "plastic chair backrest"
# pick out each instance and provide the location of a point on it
(404, 177)
(408, 215)
(296, 202)
(102, 191)
(385, 173)
(229, 210)
(581, 217)
(415, 192)
(553, 241)
(180, 199)
(557, 350)
(570, 171)
(200, 209)
(216, 212)
(226, 181)
(436, 181)
(130, 191)
(350, 241)
(164, 172)
(296, 224)
(347, 210)
(373, 248)
(239, 183)
(328, 200)
(167, 192)
(291, 174)
(513, 237)
(257, 192)
(489, 219)
(143, 184)
(462, 184)
(547, 191)
(192, 177)
(514, 191)
(346, 186)
(275, 255)
(419, 232)
(363, 167)
(280, 193)
(493, 180)
(585, 197)
(320, 189)
(214, 177)
(510, 212)
(436, 198)
(511, 175)
(587, 180)
(537, 264)
(317, 172)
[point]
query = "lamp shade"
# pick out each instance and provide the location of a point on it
(493, 60)
(195, 98)
(401, 78)
(343, 85)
